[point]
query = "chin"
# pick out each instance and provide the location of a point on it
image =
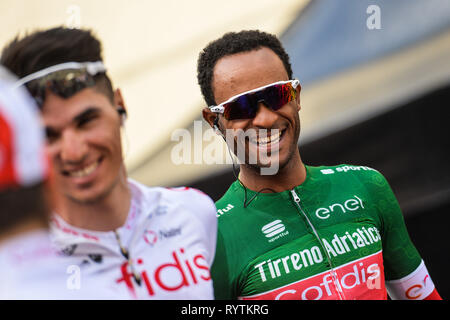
(84, 199)
(90, 195)
(275, 165)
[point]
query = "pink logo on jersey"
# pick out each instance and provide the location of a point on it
(179, 272)
(150, 237)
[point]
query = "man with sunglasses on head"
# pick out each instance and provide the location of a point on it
(149, 243)
(299, 232)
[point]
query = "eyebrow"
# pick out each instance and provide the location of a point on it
(85, 114)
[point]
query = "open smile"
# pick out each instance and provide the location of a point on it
(266, 141)
(83, 171)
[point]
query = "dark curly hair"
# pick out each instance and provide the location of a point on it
(45, 48)
(232, 43)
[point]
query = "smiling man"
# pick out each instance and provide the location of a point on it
(302, 232)
(87, 153)
(154, 243)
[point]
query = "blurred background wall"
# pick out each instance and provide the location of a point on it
(375, 81)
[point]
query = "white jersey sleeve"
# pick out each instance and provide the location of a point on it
(416, 285)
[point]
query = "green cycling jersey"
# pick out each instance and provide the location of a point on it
(338, 235)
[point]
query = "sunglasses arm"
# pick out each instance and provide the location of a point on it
(216, 109)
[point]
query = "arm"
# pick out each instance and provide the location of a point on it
(415, 286)
(407, 277)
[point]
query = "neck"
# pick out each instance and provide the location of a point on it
(105, 214)
(291, 175)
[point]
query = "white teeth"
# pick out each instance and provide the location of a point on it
(85, 171)
(274, 138)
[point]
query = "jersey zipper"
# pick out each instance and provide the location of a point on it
(316, 234)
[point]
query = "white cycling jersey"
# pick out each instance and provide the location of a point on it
(170, 236)
(30, 268)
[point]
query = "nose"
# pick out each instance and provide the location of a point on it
(73, 147)
(265, 117)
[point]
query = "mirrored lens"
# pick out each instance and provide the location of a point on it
(246, 106)
(278, 95)
(241, 108)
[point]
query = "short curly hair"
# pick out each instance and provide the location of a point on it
(232, 43)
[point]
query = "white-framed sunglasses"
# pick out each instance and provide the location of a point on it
(245, 104)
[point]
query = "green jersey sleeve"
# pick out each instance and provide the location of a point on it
(399, 254)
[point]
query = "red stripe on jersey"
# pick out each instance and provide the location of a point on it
(433, 296)
(7, 173)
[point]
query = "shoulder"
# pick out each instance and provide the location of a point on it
(373, 179)
(348, 172)
(369, 181)
(352, 177)
(189, 199)
(345, 169)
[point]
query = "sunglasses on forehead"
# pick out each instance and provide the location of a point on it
(245, 105)
(63, 79)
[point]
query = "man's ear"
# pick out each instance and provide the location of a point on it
(209, 116)
(297, 99)
(119, 102)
